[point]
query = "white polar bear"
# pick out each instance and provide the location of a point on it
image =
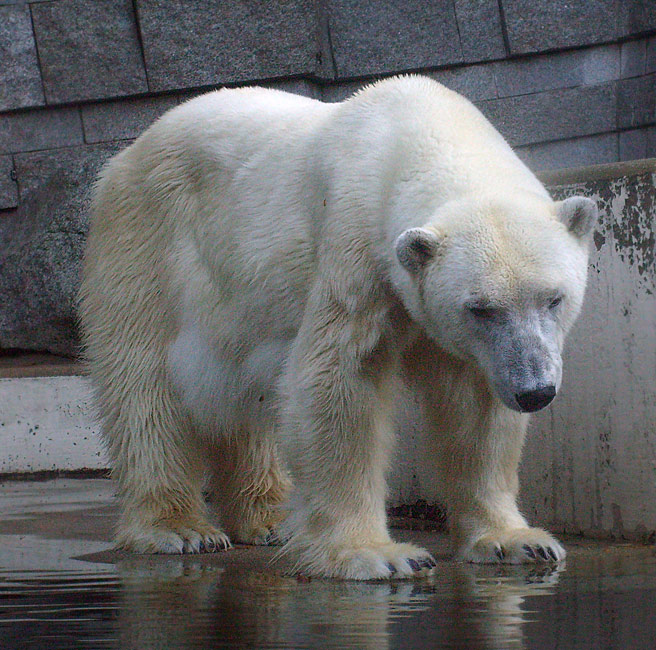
(262, 268)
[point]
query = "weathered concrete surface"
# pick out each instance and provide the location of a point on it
(590, 461)
(47, 423)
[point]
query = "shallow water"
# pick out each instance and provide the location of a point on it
(61, 589)
(182, 603)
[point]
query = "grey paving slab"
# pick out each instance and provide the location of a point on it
(337, 92)
(296, 86)
(577, 152)
(41, 245)
(651, 142)
(539, 26)
(388, 36)
(476, 82)
(42, 128)
(557, 70)
(88, 49)
(553, 114)
(193, 43)
(480, 28)
(633, 55)
(20, 79)
(8, 186)
(650, 55)
(635, 17)
(633, 144)
(122, 119)
(600, 64)
(636, 101)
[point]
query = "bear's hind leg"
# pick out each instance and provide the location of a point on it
(249, 487)
(159, 471)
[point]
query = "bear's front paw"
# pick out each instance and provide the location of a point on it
(516, 546)
(173, 538)
(375, 562)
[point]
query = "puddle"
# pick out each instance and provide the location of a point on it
(61, 589)
(186, 604)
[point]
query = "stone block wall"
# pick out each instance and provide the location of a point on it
(568, 82)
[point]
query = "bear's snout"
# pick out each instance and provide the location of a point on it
(534, 400)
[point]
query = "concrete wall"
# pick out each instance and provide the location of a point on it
(47, 424)
(590, 462)
(568, 82)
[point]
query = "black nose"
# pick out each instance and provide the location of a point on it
(534, 400)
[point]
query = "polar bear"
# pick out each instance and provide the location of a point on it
(262, 271)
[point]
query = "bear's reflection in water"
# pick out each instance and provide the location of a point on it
(182, 602)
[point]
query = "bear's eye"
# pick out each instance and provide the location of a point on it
(555, 302)
(483, 312)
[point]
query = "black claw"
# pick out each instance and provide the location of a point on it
(529, 551)
(391, 567)
(543, 553)
(427, 563)
(414, 565)
(500, 553)
(201, 548)
(554, 557)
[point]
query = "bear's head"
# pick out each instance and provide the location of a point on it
(499, 283)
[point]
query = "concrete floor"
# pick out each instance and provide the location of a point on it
(62, 587)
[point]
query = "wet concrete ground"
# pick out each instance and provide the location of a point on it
(62, 587)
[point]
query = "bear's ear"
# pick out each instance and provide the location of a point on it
(578, 214)
(416, 247)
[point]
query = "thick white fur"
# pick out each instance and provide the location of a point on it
(242, 293)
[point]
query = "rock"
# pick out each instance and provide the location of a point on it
(42, 243)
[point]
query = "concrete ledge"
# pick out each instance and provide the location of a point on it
(589, 173)
(38, 365)
(47, 423)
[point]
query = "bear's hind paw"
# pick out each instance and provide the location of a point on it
(173, 541)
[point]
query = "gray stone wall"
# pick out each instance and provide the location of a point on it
(568, 82)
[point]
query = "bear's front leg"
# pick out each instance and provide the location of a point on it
(339, 387)
(480, 470)
(476, 446)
